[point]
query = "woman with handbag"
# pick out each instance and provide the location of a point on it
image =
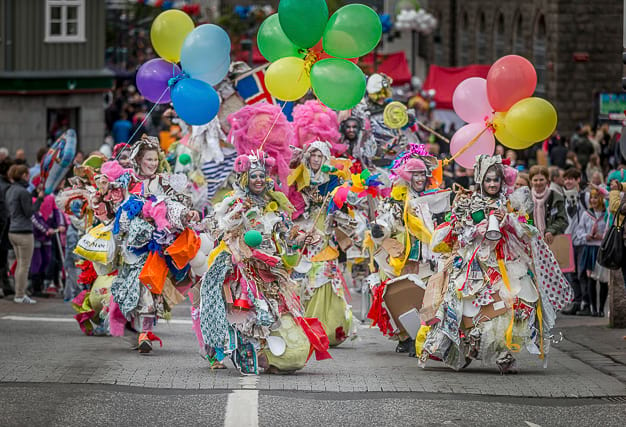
(593, 225)
(617, 206)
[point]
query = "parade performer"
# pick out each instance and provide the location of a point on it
(313, 121)
(404, 226)
(322, 284)
(248, 304)
(500, 286)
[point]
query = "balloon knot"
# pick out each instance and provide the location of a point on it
(171, 82)
(311, 58)
(491, 126)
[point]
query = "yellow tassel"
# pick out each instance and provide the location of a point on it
(508, 336)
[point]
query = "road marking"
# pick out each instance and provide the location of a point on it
(532, 424)
(242, 406)
(72, 320)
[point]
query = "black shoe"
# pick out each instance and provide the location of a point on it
(594, 314)
(405, 346)
(572, 310)
(600, 313)
(584, 312)
(8, 292)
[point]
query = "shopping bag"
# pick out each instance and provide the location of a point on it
(184, 248)
(97, 245)
(153, 273)
(563, 251)
(612, 247)
(330, 309)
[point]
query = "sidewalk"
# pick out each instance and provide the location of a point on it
(590, 340)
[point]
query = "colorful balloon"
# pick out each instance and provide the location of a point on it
(286, 79)
(510, 79)
(485, 144)
(338, 84)
(195, 101)
(273, 42)
(153, 77)
(505, 137)
(303, 21)
(205, 52)
(470, 101)
(531, 119)
(168, 32)
(352, 31)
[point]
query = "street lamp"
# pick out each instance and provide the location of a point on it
(419, 22)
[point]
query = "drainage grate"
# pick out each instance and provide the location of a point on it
(615, 399)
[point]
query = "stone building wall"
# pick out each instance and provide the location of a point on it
(571, 27)
(23, 121)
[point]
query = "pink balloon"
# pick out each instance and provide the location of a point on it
(510, 79)
(470, 100)
(485, 144)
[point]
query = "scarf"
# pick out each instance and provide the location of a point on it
(539, 212)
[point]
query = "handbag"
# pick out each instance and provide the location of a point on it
(612, 247)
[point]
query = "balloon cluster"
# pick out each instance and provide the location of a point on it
(307, 49)
(502, 105)
(204, 56)
(419, 20)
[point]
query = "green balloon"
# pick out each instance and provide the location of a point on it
(184, 159)
(338, 83)
(303, 21)
(352, 31)
(253, 238)
(272, 41)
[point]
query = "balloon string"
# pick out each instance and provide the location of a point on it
(438, 135)
(273, 124)
(465, 147)
(141, 124)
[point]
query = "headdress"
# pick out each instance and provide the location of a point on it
(415, 158)
(484, 162)
(323, 146)
(313, 121)
(146, 143)
(263, 128)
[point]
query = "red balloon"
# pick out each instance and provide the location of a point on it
(510, 79)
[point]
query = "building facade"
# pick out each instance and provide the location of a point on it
(52, 72)
(575, 45)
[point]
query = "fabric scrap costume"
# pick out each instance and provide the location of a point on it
(501, 286)
(322, 284)
(248, 306)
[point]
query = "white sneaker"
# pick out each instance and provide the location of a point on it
(24, 300)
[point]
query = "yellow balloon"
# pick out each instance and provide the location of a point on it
(531, 119)
(286, 79)
(168, 32)
(505, 137)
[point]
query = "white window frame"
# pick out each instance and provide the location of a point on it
(79, 37)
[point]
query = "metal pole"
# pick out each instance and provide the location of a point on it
(414, 51)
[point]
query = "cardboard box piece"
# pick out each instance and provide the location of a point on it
(487, 312)
(401, 295)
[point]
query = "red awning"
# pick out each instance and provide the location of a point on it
(445, 79)
(395, 65)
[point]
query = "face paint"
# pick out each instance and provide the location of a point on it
(256, 182)
(418, 181)
(492, 183)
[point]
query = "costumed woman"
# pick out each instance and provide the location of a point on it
(151, 213)
(323, 287)
(403, 230)
(248, 304)
(500, 287)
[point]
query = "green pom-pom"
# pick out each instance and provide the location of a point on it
(328, 169)
(184, 159)
(478, 216)
(253, 238)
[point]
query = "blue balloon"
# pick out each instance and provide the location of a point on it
(195, 101)
(204, 52)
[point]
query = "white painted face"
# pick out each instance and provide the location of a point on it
(492, 183)
(418, 181)
(256, 182)
(149, 163)
(316, 158)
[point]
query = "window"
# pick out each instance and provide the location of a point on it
(481, 40)
(498, 37)
(464, 57)
(65, 21)
(539, 54)
(518, 36)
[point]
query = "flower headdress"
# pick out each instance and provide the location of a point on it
(415, 158)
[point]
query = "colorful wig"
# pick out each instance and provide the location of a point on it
(263, 127)
(313, 121)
